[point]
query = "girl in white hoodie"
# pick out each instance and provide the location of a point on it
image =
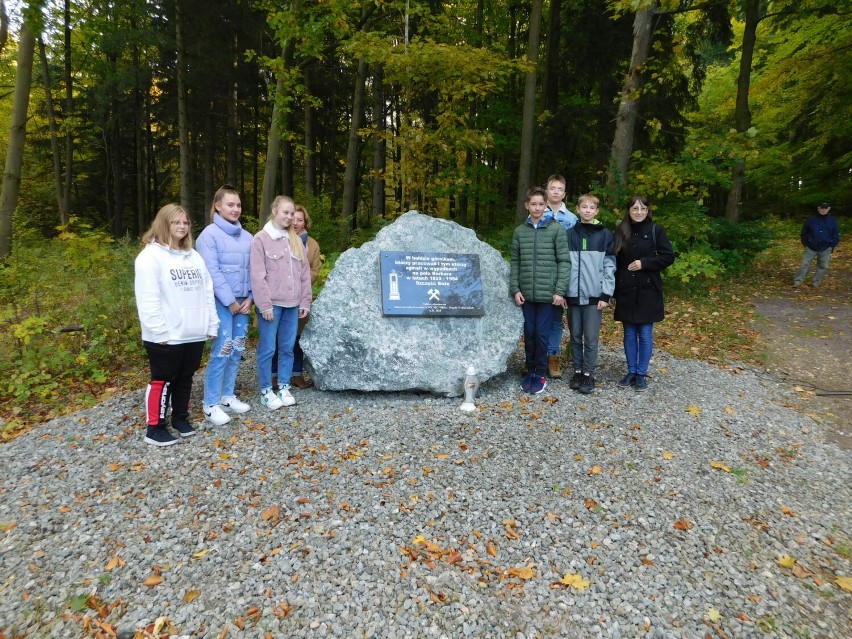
(281, 284)
(174, 297)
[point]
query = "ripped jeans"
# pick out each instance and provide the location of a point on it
(226, 351)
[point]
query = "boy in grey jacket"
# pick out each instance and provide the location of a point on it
(591, 283)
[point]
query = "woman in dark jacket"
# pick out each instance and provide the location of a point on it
(642, 251)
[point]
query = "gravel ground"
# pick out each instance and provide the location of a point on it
(398, 515)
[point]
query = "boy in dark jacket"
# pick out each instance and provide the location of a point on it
(820, 235)
(538, 278)
(591, 283)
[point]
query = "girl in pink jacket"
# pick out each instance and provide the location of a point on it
(281, 284)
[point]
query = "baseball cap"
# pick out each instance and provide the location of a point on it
(825, 205)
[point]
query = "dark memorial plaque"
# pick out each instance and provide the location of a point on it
(431, 284)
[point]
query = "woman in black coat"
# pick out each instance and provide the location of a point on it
(642, 251)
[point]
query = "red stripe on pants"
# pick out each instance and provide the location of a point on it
(156, 401)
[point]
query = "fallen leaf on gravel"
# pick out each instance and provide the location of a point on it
(115, 467)
(786, 561)
(191, 596)
(720, 466)
(591, 504)
(438, 597)
(594, 470)
(692, 409)
(491, 548)
(282, 610)
(800, 571)
(153, 580)
(845, 583)
(575, 581)
(682, 524)
(787, 511)
(527, 572)
(8, 526)
(713, 615)
(667, 454)
(115, 562)
(647, 562)
(272, 512)
(201, 553)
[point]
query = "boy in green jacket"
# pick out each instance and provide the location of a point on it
(538, 280)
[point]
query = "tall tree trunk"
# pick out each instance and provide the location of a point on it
(139, 119)
(183, 114)
(233, 123)
(17, 137)
(528, 118)
(117, 167)
(69, 106)
(310, 142)
(554, 39)
(380, 146)
(625, 122)
(4, 25)
(61, 205)
(208, 169)
(287, 157)
(273, 141)
(742, 112)
(353, 149)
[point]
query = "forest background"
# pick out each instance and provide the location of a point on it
(731, 115)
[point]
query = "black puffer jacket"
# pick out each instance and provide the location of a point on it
(639, 294)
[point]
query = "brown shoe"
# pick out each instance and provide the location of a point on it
(554, 367)
(299, 382)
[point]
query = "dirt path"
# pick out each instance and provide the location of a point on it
(808, 335)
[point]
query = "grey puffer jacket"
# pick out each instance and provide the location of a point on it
(539, 260)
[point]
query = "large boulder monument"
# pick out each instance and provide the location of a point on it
(412, 310)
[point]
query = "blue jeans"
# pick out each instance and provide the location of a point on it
(638, 346)
(538, 316)
(280, 333)
(823, 258)
(584, 323)
(226, 351)
(554, 340)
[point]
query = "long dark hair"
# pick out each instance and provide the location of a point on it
(622, 233)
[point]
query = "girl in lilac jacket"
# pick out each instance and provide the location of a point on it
(281, 282)
(225, 246)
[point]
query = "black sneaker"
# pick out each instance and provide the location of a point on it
(628, 380)
(158, 436)
(576, 380)
(587, 385)
(641, 383)
(185, 429)
(525, 385)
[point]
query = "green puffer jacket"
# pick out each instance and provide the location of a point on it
(540, 261)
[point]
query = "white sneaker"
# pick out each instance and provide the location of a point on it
(215, 415)
(271, 400)
(234, 405)
(285, 396)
